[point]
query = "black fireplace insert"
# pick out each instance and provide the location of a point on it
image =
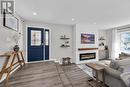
(87, 56)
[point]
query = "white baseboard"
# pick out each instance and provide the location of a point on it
(43, 61)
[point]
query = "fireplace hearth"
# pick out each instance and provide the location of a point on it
(87, 56)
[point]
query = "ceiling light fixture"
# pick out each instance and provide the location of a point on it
(94, 23)
(34, 13)
(73, 19)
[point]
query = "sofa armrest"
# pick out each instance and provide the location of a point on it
(112, 72)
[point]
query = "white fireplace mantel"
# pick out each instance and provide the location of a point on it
(84, 48)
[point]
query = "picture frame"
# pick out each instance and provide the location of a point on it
(10, 21)
(87, 38)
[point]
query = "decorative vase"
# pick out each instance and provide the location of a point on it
(106, 47)
(16, 48)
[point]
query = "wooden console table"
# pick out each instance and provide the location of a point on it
(12, 61)
(97, 68)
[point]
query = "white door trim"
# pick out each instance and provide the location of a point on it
(26, 55)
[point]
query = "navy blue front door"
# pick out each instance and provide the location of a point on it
(37, 42)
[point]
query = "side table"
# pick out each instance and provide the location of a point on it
(66, 61)
(97, 68)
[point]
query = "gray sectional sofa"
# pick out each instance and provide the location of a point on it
(114, 71)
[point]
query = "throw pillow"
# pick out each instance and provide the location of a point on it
(114, 65)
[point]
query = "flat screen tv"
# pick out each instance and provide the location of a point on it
(10, 21)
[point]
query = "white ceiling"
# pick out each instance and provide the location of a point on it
(98, 13)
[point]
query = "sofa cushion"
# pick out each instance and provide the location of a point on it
(125, 68)
(127, 54)
(123, 62)
(126, 78)
(124, 55)
(121, 65)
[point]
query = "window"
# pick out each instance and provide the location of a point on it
(35, 38)
(125, 41)
(46, 37)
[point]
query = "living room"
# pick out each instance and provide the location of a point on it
(59, 40)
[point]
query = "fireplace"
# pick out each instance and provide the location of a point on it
(87, 56)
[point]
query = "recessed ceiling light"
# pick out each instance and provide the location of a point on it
(34, 13)
(73, 19)
(94, 23)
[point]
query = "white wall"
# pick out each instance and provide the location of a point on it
(109, 40)
(82, 28)
(56, 31)
(6, 38)
(74, 43)
(102, 33)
